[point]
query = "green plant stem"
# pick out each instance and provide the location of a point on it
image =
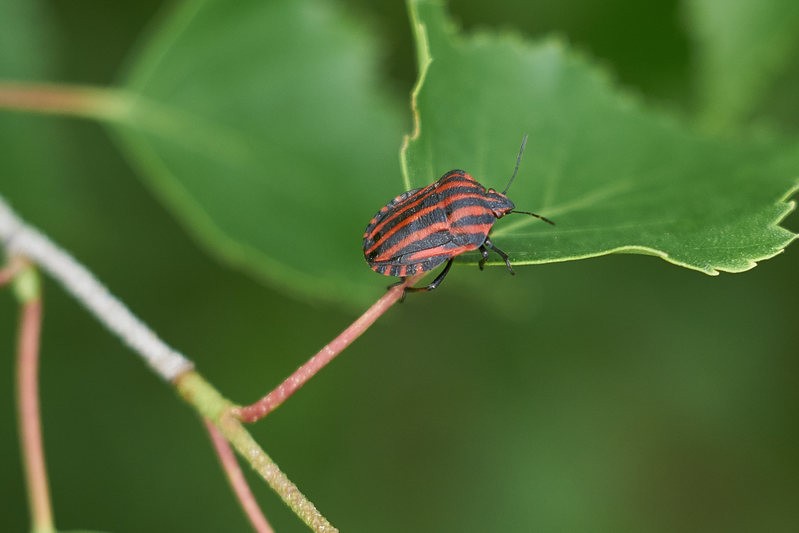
(28, 292)
(211, 405)
(237, 481)
(270, 402)
(20, 239)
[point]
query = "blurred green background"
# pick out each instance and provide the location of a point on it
(616, 394)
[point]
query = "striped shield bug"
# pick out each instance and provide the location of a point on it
(425, 227)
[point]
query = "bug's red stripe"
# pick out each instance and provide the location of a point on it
(421, 255)
(457, 180)
(401, 271)
(486, 218)
(404, 197)
(392, 251)
(468, 210)
(376, 231)
(400, 226)
(398, 232)
(392, 244)
(471, 219)
(417, 240)
(471, 230)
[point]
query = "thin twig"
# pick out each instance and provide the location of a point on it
(29, 416)
(267, 469)
(214, 407)
(291, 384)
(21, 239)
(237, 482)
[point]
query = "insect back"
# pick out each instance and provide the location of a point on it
(423, 228)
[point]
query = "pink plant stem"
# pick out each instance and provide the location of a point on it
(237, 481)
(29, 419)
(274, 399)
(44, 98)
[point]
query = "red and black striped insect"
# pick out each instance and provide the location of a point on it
(425, 227)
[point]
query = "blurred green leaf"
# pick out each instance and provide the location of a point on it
(28, 49)
(264, 128)
(25, 40)
(743, 47)
(615, 176)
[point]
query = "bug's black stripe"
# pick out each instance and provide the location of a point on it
(436, 208)
(487, 203)
(388, 210)
(435, 240)
(404, 270)
(409, 200)
(445, 210)
(467, 204)
(413, 266)
(487, 219)
(472, 239)
(404, 197)
(421, 229)
(422, 205)
(417, 253)
(456, 175)
(420, 233)
(430, 263)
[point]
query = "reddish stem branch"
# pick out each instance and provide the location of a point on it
(14, 266)
(29, 418)
(282, 392)
(237, 481)
(44, 98)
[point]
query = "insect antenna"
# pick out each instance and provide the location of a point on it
(518, 161)
(536, 215)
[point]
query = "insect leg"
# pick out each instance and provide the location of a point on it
(484, 253)
(490, 245)
(436, 282)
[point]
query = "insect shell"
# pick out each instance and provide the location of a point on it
(426, 227)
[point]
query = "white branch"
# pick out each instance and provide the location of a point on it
(20, 239)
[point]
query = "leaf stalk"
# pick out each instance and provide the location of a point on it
(275, 398)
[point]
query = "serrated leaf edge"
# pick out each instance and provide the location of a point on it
(425, 59)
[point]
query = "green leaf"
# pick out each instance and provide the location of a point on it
(28, 180)
(263, 126)
(615, 176)
(743, 47)
(25, 40)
